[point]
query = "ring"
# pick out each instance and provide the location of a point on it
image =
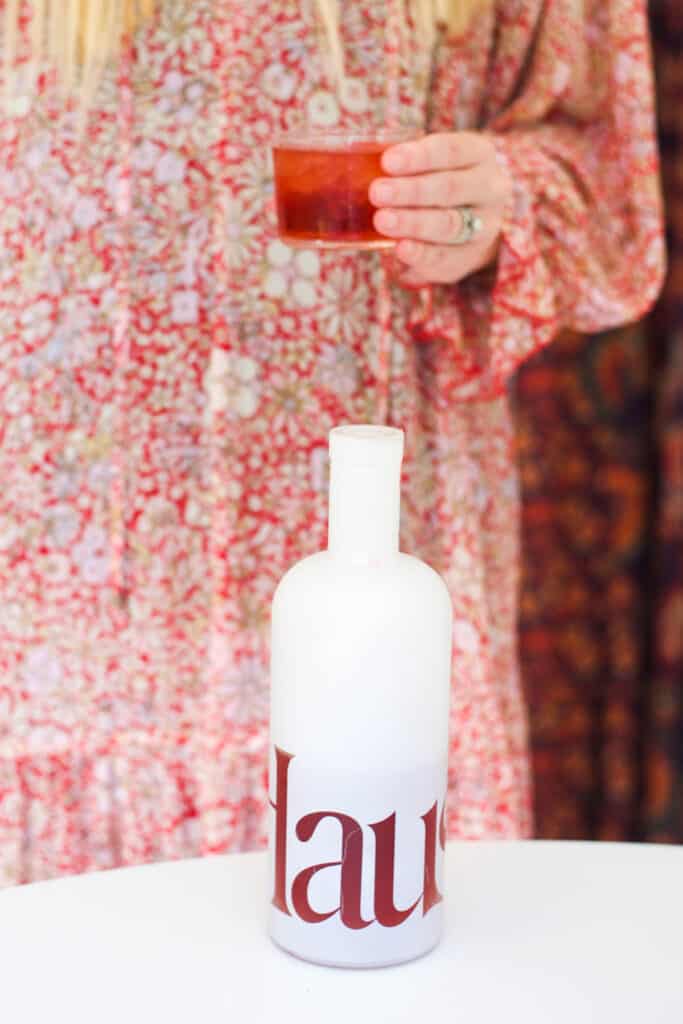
(472, 224)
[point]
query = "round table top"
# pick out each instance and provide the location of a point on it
(536, 932)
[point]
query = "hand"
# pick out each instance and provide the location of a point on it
(430, 178)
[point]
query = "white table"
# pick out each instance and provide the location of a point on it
(537, 932)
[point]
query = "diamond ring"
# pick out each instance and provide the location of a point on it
(472, 225)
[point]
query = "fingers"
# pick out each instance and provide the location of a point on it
(429, 179)
(426, 225)
(473, 187)
(440, 151)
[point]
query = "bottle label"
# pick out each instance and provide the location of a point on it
(355, 858)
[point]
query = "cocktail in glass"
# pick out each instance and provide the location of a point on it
(321, 187)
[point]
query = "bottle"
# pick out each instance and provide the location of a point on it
(361, 657)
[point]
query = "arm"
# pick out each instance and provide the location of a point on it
(576, 213)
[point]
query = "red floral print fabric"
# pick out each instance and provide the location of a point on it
(169, 373)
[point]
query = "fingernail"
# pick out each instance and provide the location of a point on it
(387, 221)
(393, 160)
(382, 191)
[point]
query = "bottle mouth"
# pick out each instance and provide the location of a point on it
(367, 445)
(341, 138)
(369, 432)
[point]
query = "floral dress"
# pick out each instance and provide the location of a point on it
(169, 372)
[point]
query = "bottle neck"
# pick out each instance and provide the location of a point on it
(365, 509)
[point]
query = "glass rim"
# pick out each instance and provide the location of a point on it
(336, 138)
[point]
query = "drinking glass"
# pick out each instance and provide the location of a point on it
(321, 187)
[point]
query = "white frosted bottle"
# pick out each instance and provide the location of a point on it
(361, 655)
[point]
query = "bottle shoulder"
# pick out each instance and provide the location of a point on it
(427, 577)
(310, 568)
(319, 577)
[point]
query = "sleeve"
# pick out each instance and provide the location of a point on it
(582, 243)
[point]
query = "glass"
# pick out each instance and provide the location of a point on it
(321, 187)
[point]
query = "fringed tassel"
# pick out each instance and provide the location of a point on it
(121, 336)
(11, 44)
(329, 16)
(384, 351)
(77, 37)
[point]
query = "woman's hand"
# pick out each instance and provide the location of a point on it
(419, 204)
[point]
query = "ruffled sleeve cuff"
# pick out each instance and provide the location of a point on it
(496, 319)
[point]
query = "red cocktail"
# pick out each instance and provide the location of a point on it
(321, 187)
